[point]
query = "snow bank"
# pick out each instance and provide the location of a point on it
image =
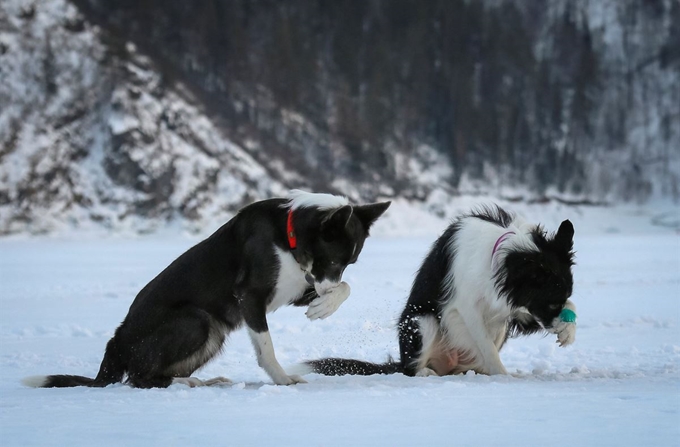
(62, 298)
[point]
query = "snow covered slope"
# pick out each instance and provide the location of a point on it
(99, 132)
(62, 298)
(91, 134)
(95, 135)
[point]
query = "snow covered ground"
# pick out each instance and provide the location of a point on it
(619, 384)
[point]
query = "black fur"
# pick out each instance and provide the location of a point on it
(179, 321)
(426, 297)
(493, 214)
(342, 367)
(539, 281)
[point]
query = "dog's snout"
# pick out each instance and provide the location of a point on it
(309, 278)
(324, 286)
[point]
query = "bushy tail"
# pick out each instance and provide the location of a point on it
(110, 371)
(341, 367)
(57, 381)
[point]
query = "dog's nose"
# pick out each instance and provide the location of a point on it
(309, 278)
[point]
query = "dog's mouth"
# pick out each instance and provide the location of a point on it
(523, 311)
(549, 326)
(321, 286)
(324, 286)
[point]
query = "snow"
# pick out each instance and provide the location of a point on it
(62, 297)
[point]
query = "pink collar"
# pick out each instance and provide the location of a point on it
(500, 241)
(497, 245)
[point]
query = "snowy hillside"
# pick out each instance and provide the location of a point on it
(61, 300)
(95, 135)
(112, 143)
(110, 122)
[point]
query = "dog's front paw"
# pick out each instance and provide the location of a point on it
(290, 380)
(566, 333)
(565, 325)
(426, 372)
(329, 302)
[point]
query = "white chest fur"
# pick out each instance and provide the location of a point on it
(290, 283)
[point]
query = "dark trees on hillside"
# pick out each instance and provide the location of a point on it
(520, 88)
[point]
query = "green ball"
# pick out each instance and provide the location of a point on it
(568, 316)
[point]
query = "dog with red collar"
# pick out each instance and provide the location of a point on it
(273, 253)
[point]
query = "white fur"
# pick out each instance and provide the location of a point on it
(194, 382)
(303, 199)
(34, 381)
(425, 372)
(264, 348)
(300, 369)
(431, 338)
(474, 319)
(325, 286)
(191, 382)
(290, 284)
(329, 302)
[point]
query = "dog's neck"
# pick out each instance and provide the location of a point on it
(290, 231)
(496, 246)
(301, 257)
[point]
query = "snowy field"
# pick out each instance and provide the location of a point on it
(619, 384)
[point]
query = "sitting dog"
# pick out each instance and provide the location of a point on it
(490, 276)
(272, 253)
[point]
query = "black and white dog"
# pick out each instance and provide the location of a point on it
(490, 276)
(272, 253)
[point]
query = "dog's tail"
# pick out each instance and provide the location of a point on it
(110, 371)
(56, 381)
(341, 367)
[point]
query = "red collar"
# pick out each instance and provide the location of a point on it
(290, 232)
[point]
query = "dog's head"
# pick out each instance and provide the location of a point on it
(332, 236)
(540, 280)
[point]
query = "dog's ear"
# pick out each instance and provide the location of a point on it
(337, 219)
(564, 237)
(368, 214)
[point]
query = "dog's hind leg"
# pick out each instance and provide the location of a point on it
(149, 382)
(436, 358)
(418, 337)
(112, 368)
(186, 340)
